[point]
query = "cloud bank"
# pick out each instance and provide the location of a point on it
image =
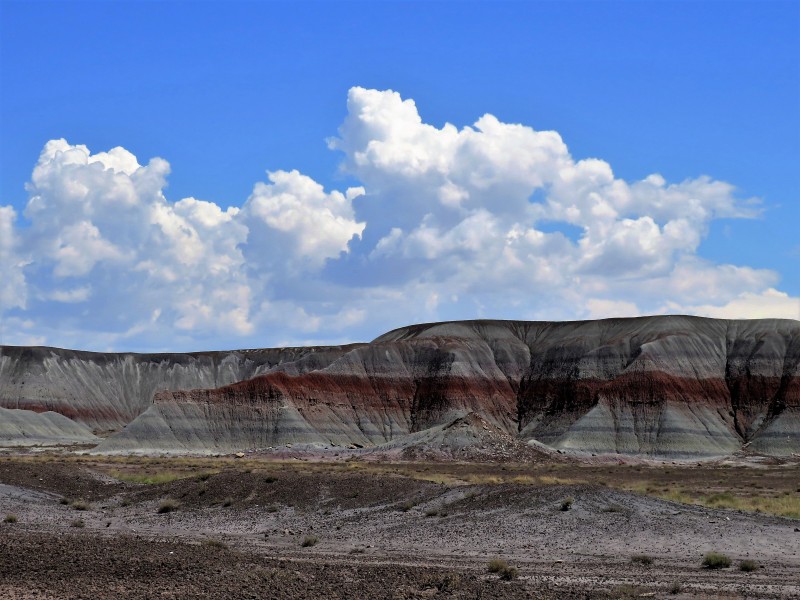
(495, 220)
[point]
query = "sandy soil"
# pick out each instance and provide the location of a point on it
(238, 533)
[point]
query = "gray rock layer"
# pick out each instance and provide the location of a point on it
(671, 386)
(106, 391)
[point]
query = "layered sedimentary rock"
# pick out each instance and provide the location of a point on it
(105, 391)
(669, 386)
(28, 428)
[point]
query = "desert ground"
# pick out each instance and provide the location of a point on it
(266, 526)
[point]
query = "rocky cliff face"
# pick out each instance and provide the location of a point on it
(668, 386)
(106, 391)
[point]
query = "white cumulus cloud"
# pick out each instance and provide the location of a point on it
(489, 220)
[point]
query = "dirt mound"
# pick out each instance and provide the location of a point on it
(469, 438)
(28, 428)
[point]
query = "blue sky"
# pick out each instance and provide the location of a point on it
(465, 222)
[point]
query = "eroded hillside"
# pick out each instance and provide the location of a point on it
(670, 386)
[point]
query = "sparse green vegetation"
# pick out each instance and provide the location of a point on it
(10, 518)
(168, 505)
(149, 478)
(748, 565)
(309, 540)
(566, 504)
(431, 512)
(782, 505)
(676, 588)
(80, 505)
(715, 560)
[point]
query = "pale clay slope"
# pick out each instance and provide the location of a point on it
(728, 382)
(28, 428)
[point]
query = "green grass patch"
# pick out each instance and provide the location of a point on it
(782, 506)
(715, 560)
(748, 566)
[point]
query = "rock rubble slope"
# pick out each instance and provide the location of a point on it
(667, 386)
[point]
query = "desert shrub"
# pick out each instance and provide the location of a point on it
(77, 523)
(406, 506)
(642, 559)
(79, 505)
(273, 508)
(64, 501)
(496, 565)
(270, 479)
(676, 587)
(614, 508)
(748, 565)
(211, 542)
(204, 476)
(509, 573)
(125, 502)
(168, 505)
(566, 504)
(449, 583)
(432, 512)
(10, 518)
(715, 560)
(227, 502)
(309, 540)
